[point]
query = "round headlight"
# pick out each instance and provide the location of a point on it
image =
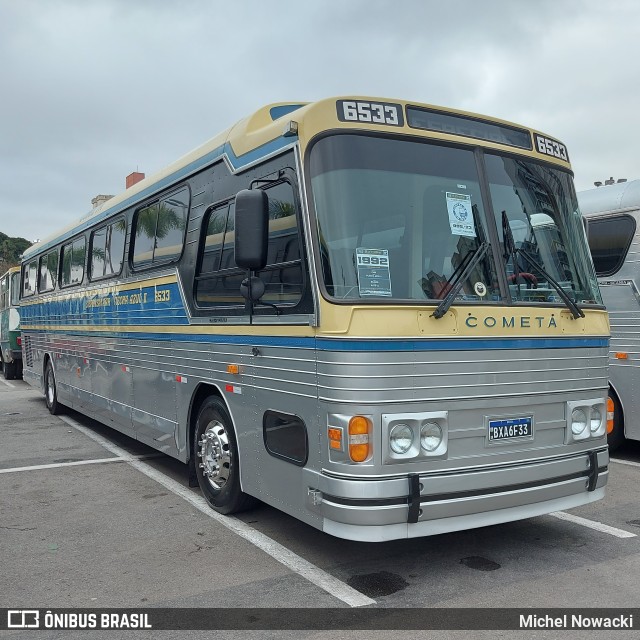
(596, 419)
(430, 436)
(578, 422)
(401, 438)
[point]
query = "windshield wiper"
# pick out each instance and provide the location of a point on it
(477, 255)
(511, 251)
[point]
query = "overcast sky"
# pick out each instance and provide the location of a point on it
(91, 90)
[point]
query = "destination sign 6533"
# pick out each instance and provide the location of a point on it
(551, 147)
(386, 113)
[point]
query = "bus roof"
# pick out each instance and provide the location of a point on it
(259, 136)
(10, 270)
(613, 197)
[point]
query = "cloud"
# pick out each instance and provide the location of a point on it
(93, 91)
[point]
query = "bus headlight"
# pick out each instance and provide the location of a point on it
(430, 436)
(578, 422)
(401, 438)
(598, 424)
(413, 437)
(587, 420)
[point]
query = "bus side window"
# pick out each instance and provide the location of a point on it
(160, 229)
(107, 249)
(218, 280)
(283, 273)
(14, 289)
(4, 292)
(29, 279)
(609, 241)
(73, 255)
(48, 271)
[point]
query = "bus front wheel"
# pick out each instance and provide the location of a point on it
(50, 391)
(216, 459)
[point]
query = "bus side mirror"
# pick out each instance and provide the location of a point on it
(251, 229)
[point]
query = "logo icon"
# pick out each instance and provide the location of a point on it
(23, 619)
(460, 212)
(480, 288)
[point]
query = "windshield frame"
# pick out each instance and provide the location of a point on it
(488, 219)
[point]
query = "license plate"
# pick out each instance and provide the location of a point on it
(507, 429)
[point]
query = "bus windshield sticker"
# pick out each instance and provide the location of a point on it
(374, 278)
(480, 288)
(460, 215)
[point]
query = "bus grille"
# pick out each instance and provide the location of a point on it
(28, 351)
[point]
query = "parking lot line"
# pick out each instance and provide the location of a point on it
(278, 552)
(75, 463)
(628, 462)
(13, 386)
(592, 524)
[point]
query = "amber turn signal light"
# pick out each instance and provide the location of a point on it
(610, 414)
(335, 438)
(359, 430)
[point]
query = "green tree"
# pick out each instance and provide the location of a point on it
(10, 251)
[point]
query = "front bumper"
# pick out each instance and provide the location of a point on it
(377, 509)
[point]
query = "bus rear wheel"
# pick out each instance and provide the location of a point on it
(10, 370)
(50, 390)
(216, 459)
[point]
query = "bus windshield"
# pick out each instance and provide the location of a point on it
(401, 220)
(539, 205)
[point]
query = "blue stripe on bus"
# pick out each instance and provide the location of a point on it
(131, 307)
(236, 162)
(373, 345)
(461, 344)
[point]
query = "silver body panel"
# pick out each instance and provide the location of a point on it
(621, 296)
(132, 386)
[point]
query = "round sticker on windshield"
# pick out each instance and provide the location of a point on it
(480, 288)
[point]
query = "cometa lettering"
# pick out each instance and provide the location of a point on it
(511, 322)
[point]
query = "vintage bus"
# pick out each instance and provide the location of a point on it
(343, 309)
(10, 340)
(612, 213)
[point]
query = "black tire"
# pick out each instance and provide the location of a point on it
(216, 459)
(10, 370)
(51, 390)
(616, 438)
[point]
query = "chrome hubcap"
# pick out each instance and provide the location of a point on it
(215, 454)
(50, 387)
